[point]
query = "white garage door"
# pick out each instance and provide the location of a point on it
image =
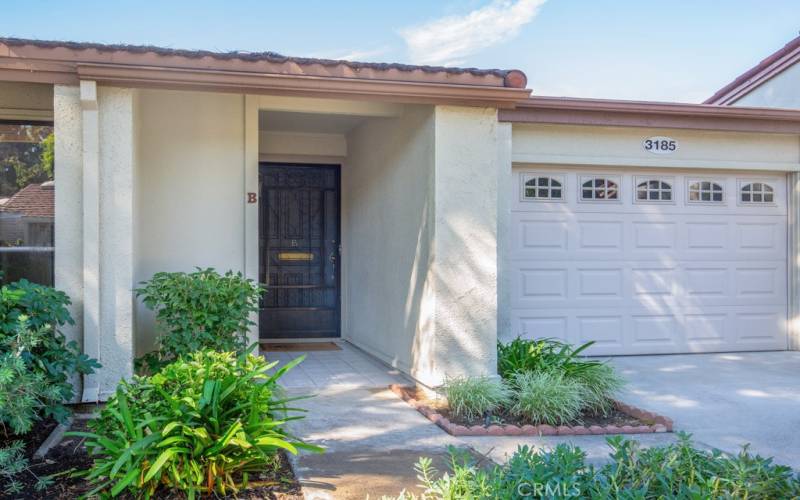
(650, 261)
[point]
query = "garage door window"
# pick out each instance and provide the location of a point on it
(702, 191)
(657, 190)
(599, 189)
(542, 187)
(757, 192)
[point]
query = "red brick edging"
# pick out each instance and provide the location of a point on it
(660, 423)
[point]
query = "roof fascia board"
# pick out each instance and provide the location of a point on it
(653, 115)
(294, 85)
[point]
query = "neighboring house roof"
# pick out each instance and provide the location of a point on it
(257, 72)
(758, 74)
(34, 200)
(618, 113)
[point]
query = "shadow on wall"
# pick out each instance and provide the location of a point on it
(456, 347)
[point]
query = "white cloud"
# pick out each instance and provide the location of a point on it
(448, 40)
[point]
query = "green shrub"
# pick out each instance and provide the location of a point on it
(12, 464)
(200, 425)
(601, 384)
(547, 397)
(599, 379)
(199, 310)
(525, 355)
(24, 395)
(674, 471)
(474, 397)
(30, 318)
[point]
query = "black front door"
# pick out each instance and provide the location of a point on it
(299, 240)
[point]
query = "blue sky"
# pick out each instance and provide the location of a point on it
(681, 50)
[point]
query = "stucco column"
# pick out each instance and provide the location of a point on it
(463, 274)
(95, 133)
(793, 188)
(117, 163)
(68, 270)
(90, 197)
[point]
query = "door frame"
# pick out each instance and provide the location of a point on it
(264, 263)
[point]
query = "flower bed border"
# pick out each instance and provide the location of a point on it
(661, 423)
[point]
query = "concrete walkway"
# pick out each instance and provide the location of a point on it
(373, 438)
(724, 400)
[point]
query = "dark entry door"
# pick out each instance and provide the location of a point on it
(299, 239)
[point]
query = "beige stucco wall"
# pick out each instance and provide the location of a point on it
(780, 91)
(276, 144)
(420, 240)
(622, 146)
(387, 228)
(190, 188)
(469, 168)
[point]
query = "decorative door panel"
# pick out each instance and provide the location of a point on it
(299, 265)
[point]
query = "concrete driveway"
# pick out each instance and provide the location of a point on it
(724, 400)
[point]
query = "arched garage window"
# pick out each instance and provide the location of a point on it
(702, 191)
(543, 187)
(653, 190)
(757, 192)
(599, 189)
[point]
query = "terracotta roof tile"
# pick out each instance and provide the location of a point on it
(34, 200)
(246, 56)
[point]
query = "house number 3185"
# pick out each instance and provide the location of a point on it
(660, 145)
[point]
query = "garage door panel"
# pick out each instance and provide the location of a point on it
(640, 278)
(649, 236)
(639, 331)
(765, 282)
(758, 327)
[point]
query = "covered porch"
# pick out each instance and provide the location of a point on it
(405, 267)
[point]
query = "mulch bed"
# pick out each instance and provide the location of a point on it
(623, 419)
(70, 455)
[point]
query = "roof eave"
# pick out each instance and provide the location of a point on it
(768, 68)
(602, 112)
(293, 85)
(49, 62)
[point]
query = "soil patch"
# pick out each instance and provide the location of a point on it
(622, 419)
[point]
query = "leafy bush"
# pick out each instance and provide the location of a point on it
(24, 395)
(524, 355)
(676, 470)
(201, 425)
(474, 397)
(199, 310)
(30, 317)
(547, 397)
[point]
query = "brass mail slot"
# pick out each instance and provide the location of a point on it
(295, 256)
